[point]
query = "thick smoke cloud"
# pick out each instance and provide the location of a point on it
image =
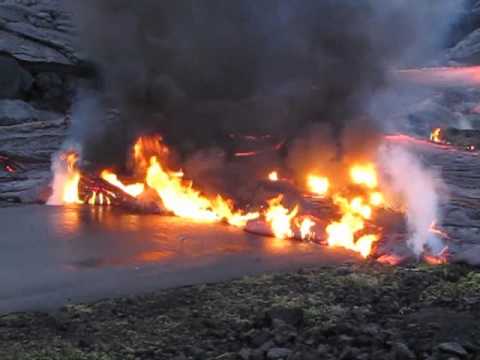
(197, 71)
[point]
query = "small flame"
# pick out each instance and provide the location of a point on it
(390, 259)
(224, 208)
(342, 234)
(377, 199)
(306, 229)
(93, 199)
(365, 175)
(280, 218)
(273, 176)
(134, 190)
(436, 135)
(99, 198)
(440, 259)
(318, 185)
(66, 179)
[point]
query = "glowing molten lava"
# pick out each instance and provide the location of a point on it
(318, 185)
(66, 179)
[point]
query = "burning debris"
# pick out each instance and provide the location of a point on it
(205, 87)
(352, 224)
(466, 140)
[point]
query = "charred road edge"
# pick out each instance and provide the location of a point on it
(365, 311)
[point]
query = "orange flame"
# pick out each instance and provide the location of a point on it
(134, 190)
(343, 233)
(280, 218)
(181, 198)
(440, 259)
(436, 135)
(184, 201)
(273, 176)
(364, 175)
(66, 179)
(377, 199)
(391, 259)
(318, 185)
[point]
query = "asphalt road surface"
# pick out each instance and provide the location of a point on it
(51, 256)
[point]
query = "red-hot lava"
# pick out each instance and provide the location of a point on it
(442, 76)
(353, 228)
(8, 165)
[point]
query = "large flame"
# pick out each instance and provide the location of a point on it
(179, 197)
(66, 179)
(348, 231)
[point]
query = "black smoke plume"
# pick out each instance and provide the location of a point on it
(198, 71)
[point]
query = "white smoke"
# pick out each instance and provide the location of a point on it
(416, 185)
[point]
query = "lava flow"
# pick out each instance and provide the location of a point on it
(442, 76)
(351, 228)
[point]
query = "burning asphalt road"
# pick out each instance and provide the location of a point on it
(55, 255)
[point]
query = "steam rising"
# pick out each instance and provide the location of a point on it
(417, 187)
(197, 71)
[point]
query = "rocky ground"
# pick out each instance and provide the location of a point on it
(349, 312)
(39, 72)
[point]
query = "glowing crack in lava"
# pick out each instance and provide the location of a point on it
(66, 179)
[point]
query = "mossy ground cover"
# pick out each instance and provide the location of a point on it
(349, 312)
